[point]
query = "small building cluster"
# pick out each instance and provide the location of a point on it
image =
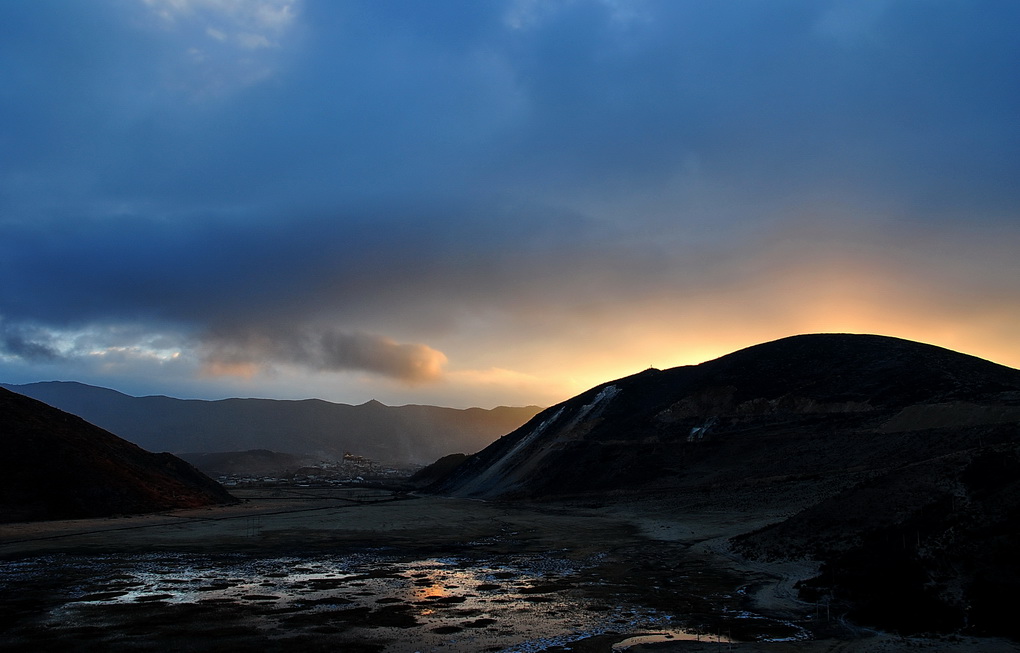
(350, 470)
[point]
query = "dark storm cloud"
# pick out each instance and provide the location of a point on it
(250, 293)
(387, 98)
(327, 350)
(26, 343)
(342, 178)
(234, 270)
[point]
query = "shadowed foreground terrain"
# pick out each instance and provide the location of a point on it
(58, 466)
(376, 571)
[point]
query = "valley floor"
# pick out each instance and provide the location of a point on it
(376, 570)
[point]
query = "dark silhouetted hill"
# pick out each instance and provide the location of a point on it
(58, 466)
(437, 470)
(813, 404)
(312, 427)
(896, 461)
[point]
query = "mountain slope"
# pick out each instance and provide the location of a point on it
(805, 405)
(398, 434)
(892, 463)
(58, 466)
(929, 546)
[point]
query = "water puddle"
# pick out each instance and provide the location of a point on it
(669, 636)
(529, 602)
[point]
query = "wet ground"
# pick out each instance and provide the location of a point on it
(381, 572)
(378, 602)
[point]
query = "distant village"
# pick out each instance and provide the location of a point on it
(352, 469)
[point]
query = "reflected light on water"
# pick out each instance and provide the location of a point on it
(523, 603)
(669, 636)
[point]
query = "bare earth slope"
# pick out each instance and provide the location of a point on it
(893, 462)
(806, 405)
(58, 466)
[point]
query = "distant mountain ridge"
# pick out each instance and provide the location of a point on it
(58, 466)
(395, 434)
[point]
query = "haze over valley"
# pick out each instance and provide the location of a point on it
(402, 435)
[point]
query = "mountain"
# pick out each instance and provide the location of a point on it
(392, 434)
(805, 405)
(897, 465)
(929, 546)
(58, 466)
(438, 470)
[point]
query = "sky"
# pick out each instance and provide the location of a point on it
(495, 202)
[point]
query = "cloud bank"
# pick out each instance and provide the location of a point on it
(328, 350)
(500, 202)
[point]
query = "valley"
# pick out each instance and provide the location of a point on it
(369, 569)
(385, 571)
(818, 493)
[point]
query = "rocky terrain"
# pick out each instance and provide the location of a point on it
(58, 466)
(930, 546)
(311, 427)
(892, 462)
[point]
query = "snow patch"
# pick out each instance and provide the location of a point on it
(596, 406)
(497, 466)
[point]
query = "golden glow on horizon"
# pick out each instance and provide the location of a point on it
(534, 352)
(789, 298)
(544, 359)
(214, 369)
(710, 346)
